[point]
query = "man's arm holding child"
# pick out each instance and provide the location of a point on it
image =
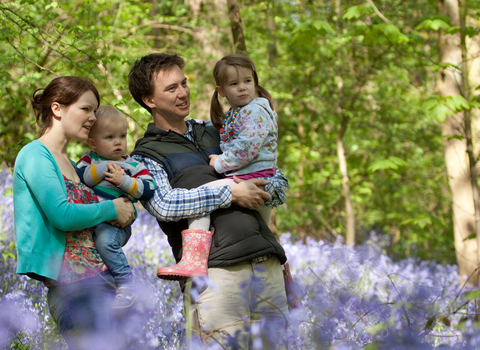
(169, 204)
(174, 204)
(276, 187)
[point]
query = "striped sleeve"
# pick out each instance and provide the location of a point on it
(90, 174)
(140, 185)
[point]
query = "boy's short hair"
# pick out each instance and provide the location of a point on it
(141, 81)
(107, 114)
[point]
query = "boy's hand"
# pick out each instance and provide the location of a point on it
(115, 174)
(213, 157)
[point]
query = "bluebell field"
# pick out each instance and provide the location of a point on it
(352, 298)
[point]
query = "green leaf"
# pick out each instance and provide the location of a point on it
(440, 107)
(457, 103)
(475, 104)
(455, 137)
(391, 163)
(430, 103)
(352, 12)
(378, 328)
(398, 161)
(322, 26)
(469, 31)
(472, 295)
(8, 192)
(433, 24)
(440, 112)
(470, 236)
(53, 5)
(448, 65)
(423, 221)
(435, 16)
(6, 255)
(430, 322)
(392, 32)
(453, 30)
(472, 31)
(355, 12)
(305, 33)
(371, 347)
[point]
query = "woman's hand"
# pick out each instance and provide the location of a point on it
(125, 211)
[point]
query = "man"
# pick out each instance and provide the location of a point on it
(243, 249)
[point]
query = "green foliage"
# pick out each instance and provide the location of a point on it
(440, 107)
(356, 12)
(434, 22)
(391, 163)
(321, 69)
(376, 75)
(306, 33)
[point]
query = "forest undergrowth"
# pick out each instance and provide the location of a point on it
(352, 298)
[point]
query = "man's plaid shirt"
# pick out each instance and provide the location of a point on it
(173, 204)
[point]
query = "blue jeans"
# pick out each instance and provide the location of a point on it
(109, 241)
(82, 311)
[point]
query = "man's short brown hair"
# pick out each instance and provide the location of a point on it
(141, 77)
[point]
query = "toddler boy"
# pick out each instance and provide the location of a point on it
(111, 174)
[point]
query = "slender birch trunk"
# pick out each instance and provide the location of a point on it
(342, 162)
(342, 159)
(468, 123)
(456, 157)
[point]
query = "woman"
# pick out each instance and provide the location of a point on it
(54, 214)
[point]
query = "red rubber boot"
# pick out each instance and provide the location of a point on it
(195, 250)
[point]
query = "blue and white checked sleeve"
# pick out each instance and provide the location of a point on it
(277, 188)
(174, 204)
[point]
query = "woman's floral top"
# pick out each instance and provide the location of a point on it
(81, 259)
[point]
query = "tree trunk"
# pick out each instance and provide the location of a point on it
(342, 161)
(455, 149)
(301, 168)
(156, 32)
(272, 44)
(468, 124)
(236, 25)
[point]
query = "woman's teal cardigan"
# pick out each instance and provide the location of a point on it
(43, 214)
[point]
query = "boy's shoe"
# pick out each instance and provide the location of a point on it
(125, 297)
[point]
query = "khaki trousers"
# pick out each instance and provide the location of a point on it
(241, 294)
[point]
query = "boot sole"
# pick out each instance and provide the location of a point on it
(172, 277)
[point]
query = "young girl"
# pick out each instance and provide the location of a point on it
(248, 131)
(248, 140)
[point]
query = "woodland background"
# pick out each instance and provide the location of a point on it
(377, 125)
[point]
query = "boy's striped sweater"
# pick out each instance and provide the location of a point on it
(137, 182)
